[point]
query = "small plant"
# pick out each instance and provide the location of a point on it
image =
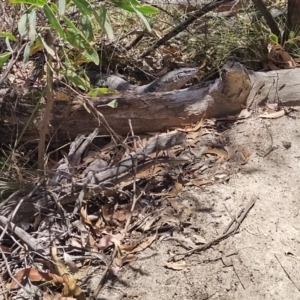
(65, 30)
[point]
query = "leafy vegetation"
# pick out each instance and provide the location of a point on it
(112, 35)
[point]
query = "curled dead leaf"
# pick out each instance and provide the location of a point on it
(274, 115)
(278, 58)
(176, 266)
(144, 244)
(222, 154)
(34, 276)
(201, 182)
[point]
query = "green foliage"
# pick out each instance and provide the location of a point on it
(100, 91)
(78, 37)
(274, 38)
(72, 77)
(4, 58)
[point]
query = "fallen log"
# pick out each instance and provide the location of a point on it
(225, 96)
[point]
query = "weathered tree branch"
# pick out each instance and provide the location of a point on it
(153, 112)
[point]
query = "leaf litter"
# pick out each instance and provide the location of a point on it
(93, 222)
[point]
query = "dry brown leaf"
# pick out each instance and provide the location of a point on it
(84, 216)
(57, 296)
(274, 115)
(107, 213)
(125, 259)
(148, 222)
(244, 114)
(84, 232)
(176, 190)
(153, 170)
(272, 106)
(128, 247)
(121, 215)
(108, 240)
(91, 241)
(144, 244)
(187, 211)
(5, 249)
(201, 182)
(176, 266)
(222, 154)
(61, 96)
(33, 275)
(198, 239)
(246, 154)
(174, 203)
(70, 284)
(278, 58)
(196, 128)
(70, 263)
(82, 272)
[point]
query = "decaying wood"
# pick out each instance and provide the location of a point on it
(153, 112)
(44, 197)
(148, 112)
(280, 86)
(62, 189)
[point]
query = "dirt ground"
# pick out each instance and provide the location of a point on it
(260, 261)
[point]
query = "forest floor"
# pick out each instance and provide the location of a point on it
(262, 259)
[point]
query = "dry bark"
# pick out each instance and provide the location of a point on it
(153, 112)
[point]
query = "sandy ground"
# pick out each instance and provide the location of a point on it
(260, 261)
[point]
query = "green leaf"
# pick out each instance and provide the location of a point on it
(48, 49)
(147, 9)
(9, 48)
(8, 35)
(37, 45)
(22, 24)
(30, 2)
(4, 57)
(70, 23)
(78, 81)
(99, 91)
(84, 6)
(61, 7)
(124, 5)
(26, 53)
(92, 55)
(292, 35)
(113, 104)
(76, 39)
(103, 22)
(53, 20)
(32, 25)
(141, 16)
(129, 4)
(273, 38)
(87, 28)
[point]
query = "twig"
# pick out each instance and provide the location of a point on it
(26, 238)
(287, 274)
(17, 208)
(243, 213)
(196, 15)
(238, 277)
(135, 199)
(101, 283)
(11, 275)
(49, 105)
(12, 62)
(261, 6)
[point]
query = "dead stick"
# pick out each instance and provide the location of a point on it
(224, 235)
(196, 15)
(287, 274)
